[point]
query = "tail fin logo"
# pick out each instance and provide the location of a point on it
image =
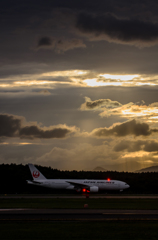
(36, 174)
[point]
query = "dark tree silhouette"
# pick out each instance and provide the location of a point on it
(13, 179)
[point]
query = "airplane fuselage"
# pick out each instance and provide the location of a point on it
(75, 184)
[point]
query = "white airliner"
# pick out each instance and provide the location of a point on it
(80, 185)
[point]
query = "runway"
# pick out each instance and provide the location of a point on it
(75, 215)
(82, 214)
(106, 196)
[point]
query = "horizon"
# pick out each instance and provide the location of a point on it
(97, 169)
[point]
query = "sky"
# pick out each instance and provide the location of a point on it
(79, 84)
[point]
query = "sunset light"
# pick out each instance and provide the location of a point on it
(79, 84)
(119, 77)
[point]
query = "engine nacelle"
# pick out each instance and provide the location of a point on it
(94, 189)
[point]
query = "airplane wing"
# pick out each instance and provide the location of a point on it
(78, 185)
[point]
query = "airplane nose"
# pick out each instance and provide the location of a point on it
(127, 186)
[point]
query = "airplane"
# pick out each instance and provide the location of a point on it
(80, 185)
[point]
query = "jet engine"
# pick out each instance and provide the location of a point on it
(94, 189)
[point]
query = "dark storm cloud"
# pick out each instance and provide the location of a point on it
(124, 129)
(27, 21)
(36, 132)
(117, 29)
(133, 146)
(9, 125)
(15, 126)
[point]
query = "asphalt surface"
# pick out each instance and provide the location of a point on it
(75, 214)
(84, 214)
(17, 196)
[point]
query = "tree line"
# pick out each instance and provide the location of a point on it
(13, 179)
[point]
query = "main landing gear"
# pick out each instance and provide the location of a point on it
(85, 192)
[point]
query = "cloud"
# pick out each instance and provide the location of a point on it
(134, 146)
(46, 42)
(108, 107)
(98, 104)
(44, 92)
(150, 146)
(81, 157)
(78, 77)
(9, 125)
(130, 110)
(59, 45)
(120, 30)
(108, 79)
(124, 129)
(85, 156)
(16, 126)
(142, 151)
(65, 45)
(36, 132)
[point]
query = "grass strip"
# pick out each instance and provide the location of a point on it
(80, 230)
(99, 203)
